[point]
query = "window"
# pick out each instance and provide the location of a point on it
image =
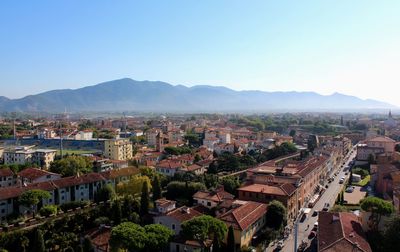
(173, 226)
(208, 203)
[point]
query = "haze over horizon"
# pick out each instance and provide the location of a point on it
(325, 47)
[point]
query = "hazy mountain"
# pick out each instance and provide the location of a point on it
(130, 95)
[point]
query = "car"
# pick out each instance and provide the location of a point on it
(326, 186)
(316, 224)
(315, 213)
(303, 246)
(349, 189)
(281, 244)
(346, 173)
(312, 235)
(341, 181)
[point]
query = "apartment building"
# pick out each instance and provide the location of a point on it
(118, 149)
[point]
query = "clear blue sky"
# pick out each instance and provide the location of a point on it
(351, 47)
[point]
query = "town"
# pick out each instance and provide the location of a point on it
(200, 182)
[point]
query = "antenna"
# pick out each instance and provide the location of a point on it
(61, 146)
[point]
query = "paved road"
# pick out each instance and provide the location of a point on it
(329, 196)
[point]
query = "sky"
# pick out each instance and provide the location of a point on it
(350, 47)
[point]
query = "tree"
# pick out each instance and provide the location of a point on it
(39, 241)
(377, 207)
(31, 198)
(156, 188)
(144, 200)
(276, 215)
(391, 234)
(158, 237)
(397, 148)
(350, 177)
(134, 186)
(231, 246)
(184, 191)
(72, 165)
(292, 133)
(48, 210)
(87, 245)
(129, 236)
(338, 209)
(116, 212)
(230, 184)
(204, 227)
(104, 193)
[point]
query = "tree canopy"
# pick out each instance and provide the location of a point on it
(377, 207)
(72, 165)
(134, 186)
(276, 215)
(33, 197)
(204, 227)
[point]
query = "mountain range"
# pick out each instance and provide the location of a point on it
(155, 96)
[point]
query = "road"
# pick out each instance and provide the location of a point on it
(329, 196)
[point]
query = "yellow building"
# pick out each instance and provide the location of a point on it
(118, 149)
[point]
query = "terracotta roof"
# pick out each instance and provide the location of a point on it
(169, 164)
(381, 139)
(279, 189)
(163, 202)
(193, 167)
(100, 238)
(244, 216)
(183, 214)
(34, 173)
(128, 171)
(16, 191)
(218, 195)
(6, 172)
(78, 180)
(340, 232)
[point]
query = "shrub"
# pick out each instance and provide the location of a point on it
(46, 211)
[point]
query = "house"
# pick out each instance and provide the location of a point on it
(196, 169)
(84, 135)
(118, 149)
(247, 218)
(341, 232)
(7, 177)
(163, 206)
(211, 199)
(120, 175)
(224, 148)
(78, 188)
(174, 218)
(285, 193)
(169, 167)
(34, 175)
(375, 146)
(181, 245)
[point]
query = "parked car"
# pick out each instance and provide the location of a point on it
(303, 246)
(281, 244)
(315, 213)
(312, 235)
(350, 189)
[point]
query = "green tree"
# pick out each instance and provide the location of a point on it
(230, 184)
(48, 210)
(377, 207)
(104, 193)
(134, 186)
(156, 188)
(292, 133)
(87, 244)
(31, 198)
(391, 234)
(72, 165)
(144, 200)
(39, 241)
(116, 212)
(158, 237)
(129, 236)
(338, 209)
(204, 227)
(231, 246)
(276, 215)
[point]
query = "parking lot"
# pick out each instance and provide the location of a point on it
(355, 197)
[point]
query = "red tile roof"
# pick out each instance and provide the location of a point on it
(34, 173)
(340, 232)
(6, 172)
(279, 189)
(78, 180)
(218, 195)
(244, 216)
(183, 214)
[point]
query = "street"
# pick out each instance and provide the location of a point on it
(329, 196)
